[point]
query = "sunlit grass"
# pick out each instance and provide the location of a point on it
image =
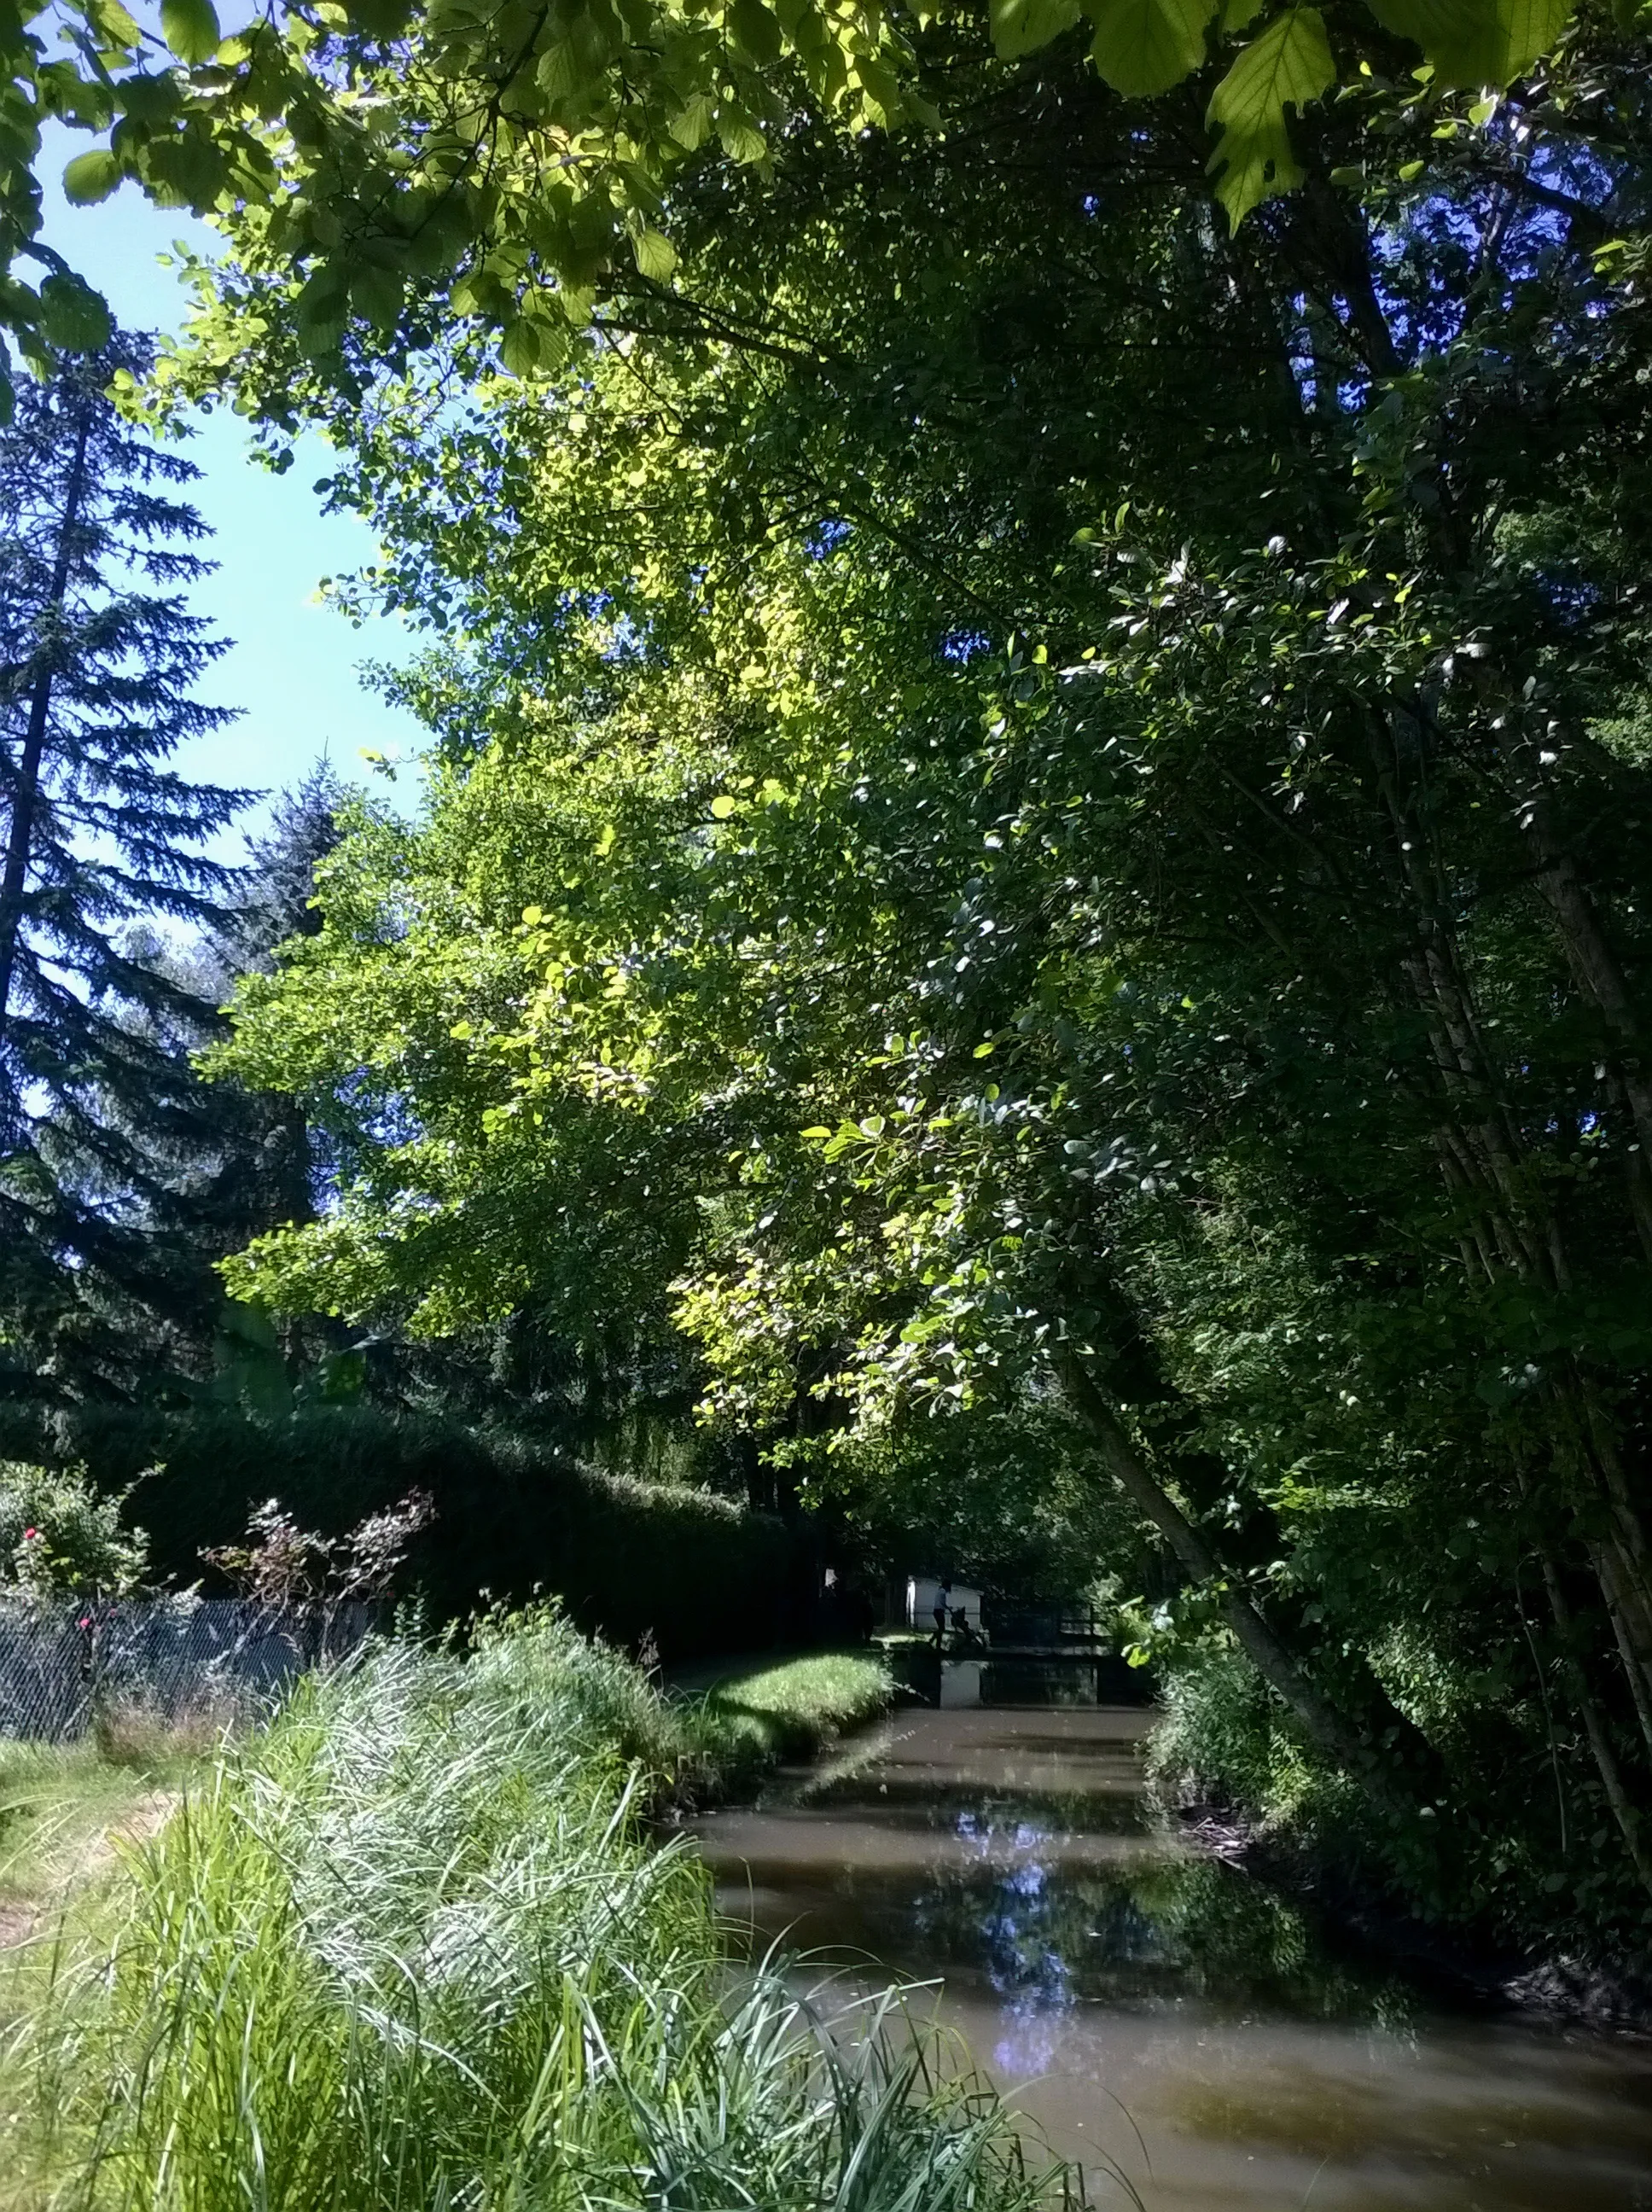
(786, 1710)
(411, 1948)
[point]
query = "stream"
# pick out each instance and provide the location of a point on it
(1148, 2007)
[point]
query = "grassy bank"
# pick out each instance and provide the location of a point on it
(412, 1946)
(742, 1722)
(65, 1809)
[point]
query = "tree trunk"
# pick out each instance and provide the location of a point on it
(20, 834)
(1606, 1760)
(1329, 1730)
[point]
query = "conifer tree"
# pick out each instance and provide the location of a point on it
(257, 1171)
(100, 842)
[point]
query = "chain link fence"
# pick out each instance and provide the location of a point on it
(64, 1665)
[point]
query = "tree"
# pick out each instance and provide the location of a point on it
(388, 169)
(265, 1168)
(1073, 856)
(99, 659)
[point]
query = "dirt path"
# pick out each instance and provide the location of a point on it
(92, 1855)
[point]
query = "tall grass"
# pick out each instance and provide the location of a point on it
(411, 1952)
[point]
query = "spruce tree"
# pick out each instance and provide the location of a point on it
(259, 1173)
(102, 843)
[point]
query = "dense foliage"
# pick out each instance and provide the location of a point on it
(1051, 842)
(387, 165)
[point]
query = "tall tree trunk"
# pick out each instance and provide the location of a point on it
(1606, 1760)
(1329, 1730)
(1486, 1159)
(20, 834)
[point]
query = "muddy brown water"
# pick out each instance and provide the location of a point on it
(1144, 2004)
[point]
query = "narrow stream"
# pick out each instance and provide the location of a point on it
(1148, 2005)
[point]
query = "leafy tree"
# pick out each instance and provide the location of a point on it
(388, 167)
(1068, 857)
(99, 659)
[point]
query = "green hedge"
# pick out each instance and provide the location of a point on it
(700, 1572)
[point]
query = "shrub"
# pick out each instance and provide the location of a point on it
(60, 1537)
(1225, 1735)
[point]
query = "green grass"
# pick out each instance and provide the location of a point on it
(67, 1814)
(412, 1948)
(59, 1804)
(791, 1709)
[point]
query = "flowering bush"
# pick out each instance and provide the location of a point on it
(60, 1537)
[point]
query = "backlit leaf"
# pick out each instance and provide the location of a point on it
(1021, 27)
(1287, 66)
(190, 28)
(655, 255)
(1145, 46)
(91, 177)
(1477, 42)
(519, 349)
(755, 30)
(741, 140)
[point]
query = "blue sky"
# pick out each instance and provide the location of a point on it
(292, 670)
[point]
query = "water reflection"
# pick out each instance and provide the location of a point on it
(1094, 1963)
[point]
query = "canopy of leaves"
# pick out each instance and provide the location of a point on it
(386, 168)
(1005, 818)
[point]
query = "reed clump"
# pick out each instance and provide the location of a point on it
(412, 1949)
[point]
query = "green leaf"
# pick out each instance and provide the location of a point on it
(722, 806)
(379, 19)
(1021, 27)
(756, 32)
(91, 177)
(1286, 67)
(741, 140)
(655, 255)
(519, 349)
(690, 127)
(1477, 42)
(190, 28)
(73, 316)
(114, 25)
(1145, 46)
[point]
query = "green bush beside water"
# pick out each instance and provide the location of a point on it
(412, 1949)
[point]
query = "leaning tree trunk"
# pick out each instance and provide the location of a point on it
(1329, 1730)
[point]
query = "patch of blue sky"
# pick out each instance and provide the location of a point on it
(826, 536)
(293, 670)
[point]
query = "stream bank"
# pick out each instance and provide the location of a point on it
(1152, 2009)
